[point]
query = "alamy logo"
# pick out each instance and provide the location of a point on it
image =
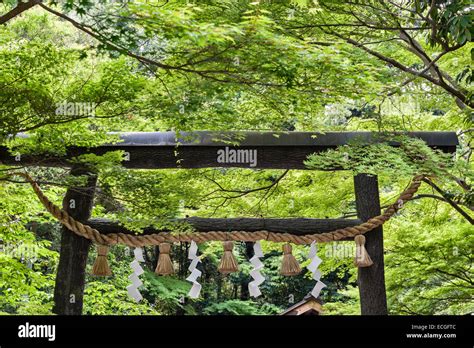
(244, 156)
(37, 331)
(75, 109)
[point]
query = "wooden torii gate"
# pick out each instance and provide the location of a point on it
(273, 150)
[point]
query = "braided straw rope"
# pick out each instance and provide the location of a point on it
(157, 238)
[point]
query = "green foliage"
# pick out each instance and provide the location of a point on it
(238, 307)
(27, 265)
(412, 157)
(429, 267)
(168, 293)
(102, 298)
(347, 305)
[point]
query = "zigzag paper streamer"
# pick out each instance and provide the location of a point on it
(313, 268)
(258, 279)
(137, 271)
(195, 273)
(138, 252)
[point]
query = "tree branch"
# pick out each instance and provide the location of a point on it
(19, 9)
(449, 200)
(241, 193)
(209, 74)
(438, 82)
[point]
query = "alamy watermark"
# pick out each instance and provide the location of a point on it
(238, 156)
(26, 252)
(340, 251)
(37, 331)
(66, 108)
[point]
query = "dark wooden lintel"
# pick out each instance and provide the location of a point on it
(296, 226)
(269, 150)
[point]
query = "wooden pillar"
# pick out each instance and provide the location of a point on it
(70, 277)
(371, 280)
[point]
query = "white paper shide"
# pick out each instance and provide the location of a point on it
(134, 277)
(258, 278)
(195, 273)
(313, 268)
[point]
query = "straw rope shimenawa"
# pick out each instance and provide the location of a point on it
(158, 238)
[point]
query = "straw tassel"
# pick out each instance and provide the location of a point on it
(289, 265)
(101, 266)
(362, 258)
(228, 262)
(164, 266)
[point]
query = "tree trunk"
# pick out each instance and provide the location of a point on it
(373, 299)
(219, 286)
(70, 277)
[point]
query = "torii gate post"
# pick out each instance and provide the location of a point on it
(71, 274)
(371, 280)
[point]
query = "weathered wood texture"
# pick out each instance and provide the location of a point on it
(70, 278)
(296, 226)
(371, 280)
(199, 149)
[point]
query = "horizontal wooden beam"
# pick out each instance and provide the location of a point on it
(267, 150)
(296, 226)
